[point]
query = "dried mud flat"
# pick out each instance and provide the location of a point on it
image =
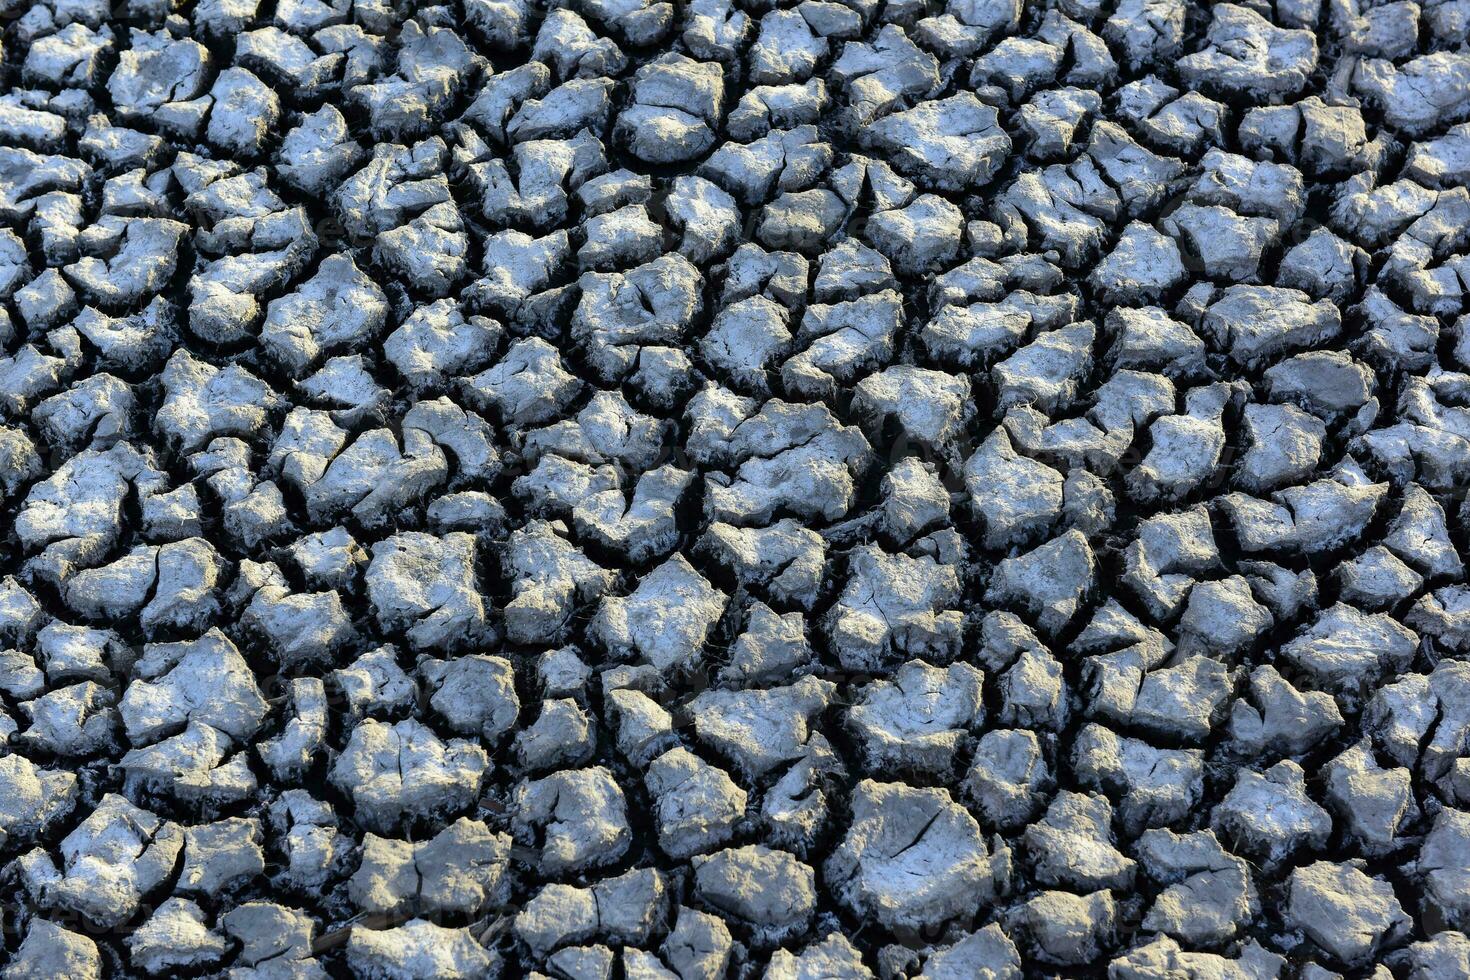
(817, 490)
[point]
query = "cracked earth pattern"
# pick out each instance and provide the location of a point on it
(792, 489)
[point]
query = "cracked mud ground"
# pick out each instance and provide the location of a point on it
(735, 489)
